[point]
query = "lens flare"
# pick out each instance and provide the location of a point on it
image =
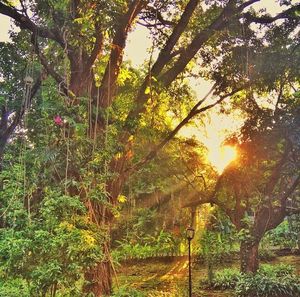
(221, 156)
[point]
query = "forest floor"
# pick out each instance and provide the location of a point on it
(169, 277)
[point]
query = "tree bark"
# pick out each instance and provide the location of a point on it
(99, 279)
(249, 256)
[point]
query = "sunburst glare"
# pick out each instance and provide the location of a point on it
(221, 156)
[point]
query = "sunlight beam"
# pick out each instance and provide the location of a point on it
(221, 156)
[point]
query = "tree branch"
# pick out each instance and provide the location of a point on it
(218, 24)
(194, 111)
(165, 54)
(19, 115)
(96, 49)
(158, 16)
(290, 14)
(108, 83)
(291, 190)
(50, 70)
(25, 23)
(162, 60)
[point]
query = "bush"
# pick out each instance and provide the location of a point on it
(212, 256)
(161, 244)
(285, 235)
(277, 270)
(224, 279)
(269, 281)
(50, 252)
(14, 288)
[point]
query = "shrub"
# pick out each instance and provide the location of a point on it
(284, 235)
(14, 288)
(224, 279)
(212, 256)
(277, 270)
(269, 281)
(161, 244)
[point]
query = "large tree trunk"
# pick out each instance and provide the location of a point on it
(99, 279)
(249, 256)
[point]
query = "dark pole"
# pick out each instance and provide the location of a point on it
(190, 270)
(190, 232)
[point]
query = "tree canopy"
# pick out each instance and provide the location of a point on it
(78, 123)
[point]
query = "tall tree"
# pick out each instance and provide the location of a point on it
(81, 44)
(259, 189)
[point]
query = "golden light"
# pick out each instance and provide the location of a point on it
(221, 156)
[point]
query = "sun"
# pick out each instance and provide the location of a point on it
(218, 127)
(221, 156)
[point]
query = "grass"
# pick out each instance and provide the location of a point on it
(158, 278)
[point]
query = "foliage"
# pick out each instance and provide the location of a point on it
(14, 287)
(284, 235)
(224, 279)
(40, 251)
(161, 245)
(212, 256)
(269, 281)
(56, 211)
(219, 233)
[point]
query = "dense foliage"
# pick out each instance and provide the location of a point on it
(84, 135)
(270, 280)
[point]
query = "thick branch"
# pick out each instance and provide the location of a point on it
(247, 3)
(165, 54)
(203, 36)
(194, 111)
(290, 14)
(196, 201)
(291, 190)
(50, 70)
(108, 84)
(25, 23)
(96, 49)
(162, 60)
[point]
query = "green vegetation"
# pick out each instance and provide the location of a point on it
(162, 278)
(98, 164)
(225, 279)
(269, 281)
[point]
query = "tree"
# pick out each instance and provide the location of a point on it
(80, 45)
(260, 188)
(257, 190)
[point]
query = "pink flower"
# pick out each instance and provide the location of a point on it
(58, 120)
